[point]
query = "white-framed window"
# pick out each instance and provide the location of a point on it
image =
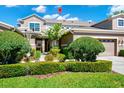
(120, 22)
(34, 26)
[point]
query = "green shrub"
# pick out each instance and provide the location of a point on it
(65, 52)
(15, 70)
(37, 54)
(99, 66)
(61, 57)
(33, 52)
(46, 68)
(54, 51)
(85, 49)
(49, 57)
(13, 47)
(121, 53)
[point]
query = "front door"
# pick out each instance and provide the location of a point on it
(39, 44)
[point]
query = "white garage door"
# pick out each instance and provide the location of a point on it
(110, 47)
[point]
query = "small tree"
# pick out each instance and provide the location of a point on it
(54, 33)
(116, 13)
(85, 49)
(12, 47)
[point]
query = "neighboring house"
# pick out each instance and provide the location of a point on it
(5, 26)
(110, 32)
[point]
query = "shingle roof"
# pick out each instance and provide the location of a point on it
(109, 18)
(5, 25)
(68, 22)
(64, 22)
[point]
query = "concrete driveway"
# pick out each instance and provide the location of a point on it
(117, 63)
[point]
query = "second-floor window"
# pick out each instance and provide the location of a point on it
(121, 22)
(34, 26)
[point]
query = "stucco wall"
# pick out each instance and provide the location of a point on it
(115, 24)
(120, 46)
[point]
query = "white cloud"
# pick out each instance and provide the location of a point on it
(115, 8)
(11, 5)
(60, 17)
(73, 18)
(90, 20)
(54, 16)
(58, 6)
(40, 9)
(66, 16)
(63, 17)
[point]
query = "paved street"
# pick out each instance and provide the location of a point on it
(117, 63)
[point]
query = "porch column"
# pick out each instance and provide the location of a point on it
(43, 45)
(32, 43)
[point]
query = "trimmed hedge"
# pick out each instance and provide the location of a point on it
(15, 70)
(99, 66)
(45, 68)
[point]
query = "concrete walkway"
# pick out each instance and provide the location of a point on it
(42, 57)
(117, 63)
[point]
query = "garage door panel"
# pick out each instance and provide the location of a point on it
(109, 45)
(109, 49)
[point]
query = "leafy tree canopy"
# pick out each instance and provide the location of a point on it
(55, 32)
(12, 47)
(116, 13)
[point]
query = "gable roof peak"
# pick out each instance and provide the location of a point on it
(35, 15)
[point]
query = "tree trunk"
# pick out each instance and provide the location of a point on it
(55, 43)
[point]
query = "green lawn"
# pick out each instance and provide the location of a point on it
(67, 80)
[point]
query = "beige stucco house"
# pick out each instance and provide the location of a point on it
(109, 31)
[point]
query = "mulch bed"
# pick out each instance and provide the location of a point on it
(115, 72)
(53, 74)
(48, 75)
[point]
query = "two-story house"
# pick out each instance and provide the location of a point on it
(110, 32)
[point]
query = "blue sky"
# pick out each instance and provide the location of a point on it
(10, 14)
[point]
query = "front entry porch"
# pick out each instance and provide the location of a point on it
(42, 44)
